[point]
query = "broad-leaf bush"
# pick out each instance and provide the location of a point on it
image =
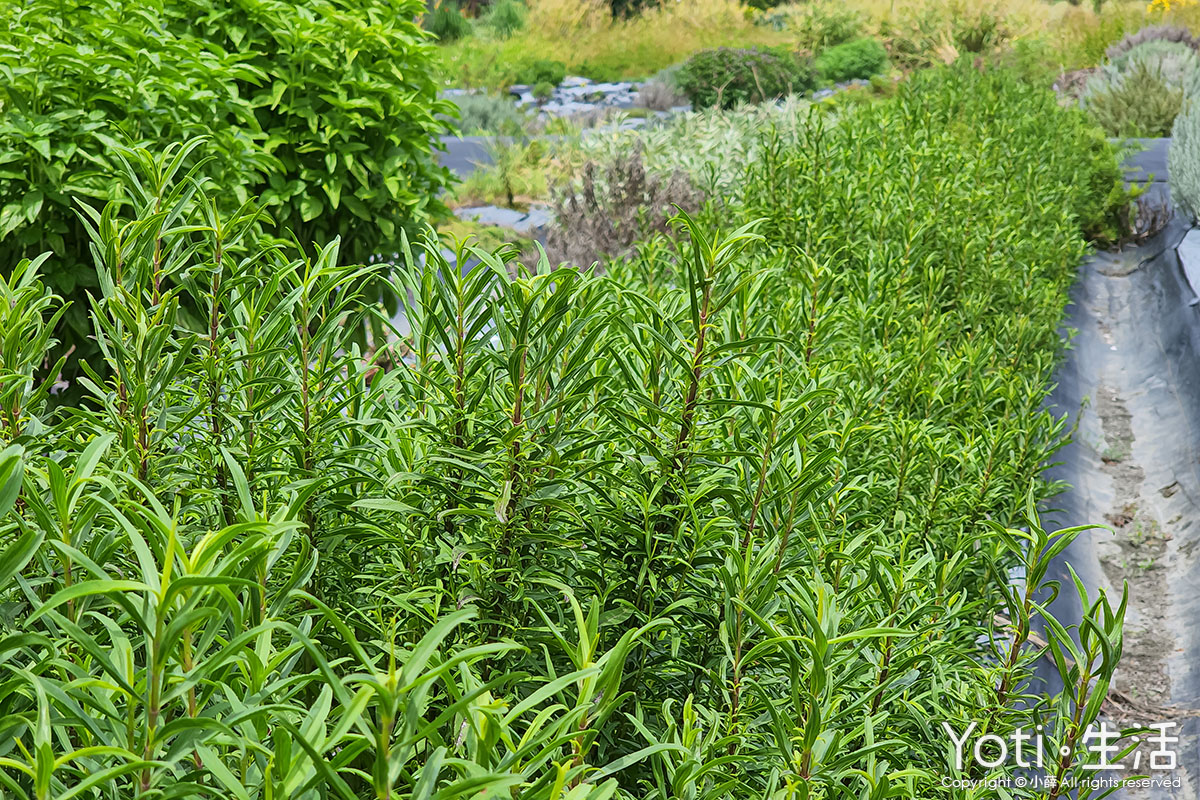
(325, 110)
(735, 519)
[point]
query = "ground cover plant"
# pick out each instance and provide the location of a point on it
(715, 521)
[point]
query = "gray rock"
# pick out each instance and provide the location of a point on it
(491, 215)
(575, 80)
(568, 108)
(525, 222)
(536, 219)
(574, 92)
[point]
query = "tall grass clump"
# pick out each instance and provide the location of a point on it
(446, 22)
(735, 518)
(505, 17)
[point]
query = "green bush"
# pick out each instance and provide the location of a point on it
(505, 17)
(540, 70)
(733, 520)
(861, 58)
(1137, 102)
(543, 91)
(326, 110)
(726, 77)
(447, 23)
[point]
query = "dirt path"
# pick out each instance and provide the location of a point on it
(1136, 554)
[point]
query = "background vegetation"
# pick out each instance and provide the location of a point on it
(1050, 38)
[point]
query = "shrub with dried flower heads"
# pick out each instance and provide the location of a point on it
(613, 206)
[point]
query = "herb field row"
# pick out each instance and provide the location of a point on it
(734, 516)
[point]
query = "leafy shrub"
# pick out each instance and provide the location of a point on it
(1152, 33)
(446, 22)
(1183, 161)
(602, 215)
(861, 58)
(505, 17)
(483, 112)
(726, 77)
(723, 521)
(327, 110)
(540, 70)
(543, 91)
